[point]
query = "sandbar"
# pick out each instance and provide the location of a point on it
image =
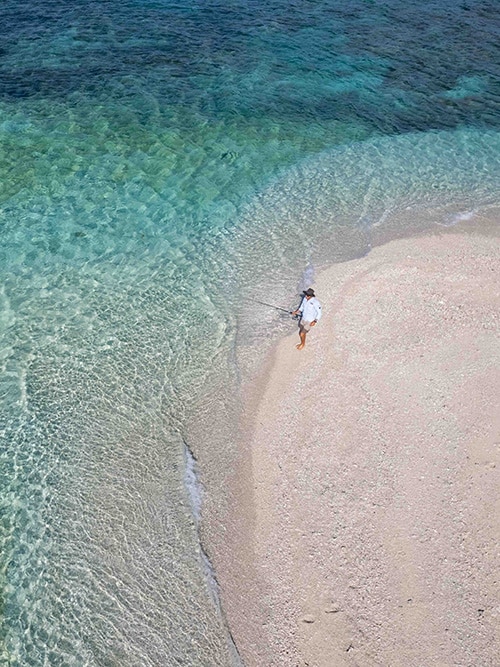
(367, 528)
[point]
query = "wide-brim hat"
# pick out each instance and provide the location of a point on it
(308, 292)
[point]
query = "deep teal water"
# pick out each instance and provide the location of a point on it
(160, 162)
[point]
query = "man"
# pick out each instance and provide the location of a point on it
(310, 314)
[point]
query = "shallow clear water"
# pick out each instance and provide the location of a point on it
(160, 163)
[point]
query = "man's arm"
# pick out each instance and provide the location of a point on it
(317, 309)
(300, 309)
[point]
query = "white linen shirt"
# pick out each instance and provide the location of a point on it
(310, 309)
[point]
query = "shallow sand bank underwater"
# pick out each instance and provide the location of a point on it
(368, 527)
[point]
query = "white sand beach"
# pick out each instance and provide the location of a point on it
(368, 527)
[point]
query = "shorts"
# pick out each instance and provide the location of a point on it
(304, 327)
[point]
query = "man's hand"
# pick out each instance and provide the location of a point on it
(295, 312)
(313, 323)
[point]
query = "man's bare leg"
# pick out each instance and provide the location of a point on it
(302, 343)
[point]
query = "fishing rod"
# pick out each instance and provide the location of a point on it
(270, 305)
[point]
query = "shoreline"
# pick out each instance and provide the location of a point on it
(276, 603)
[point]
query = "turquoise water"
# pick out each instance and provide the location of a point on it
(160, 164)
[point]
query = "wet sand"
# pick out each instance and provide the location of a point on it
(366, 521)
